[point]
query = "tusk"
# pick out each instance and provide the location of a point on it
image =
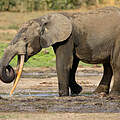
(22, 57)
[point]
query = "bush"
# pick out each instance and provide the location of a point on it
(31, 5)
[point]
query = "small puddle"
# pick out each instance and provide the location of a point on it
(38, 93)
(31, 93)
(54, 74)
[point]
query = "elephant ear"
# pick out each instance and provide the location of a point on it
(57, 28)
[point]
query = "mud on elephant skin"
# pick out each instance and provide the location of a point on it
(91, 37)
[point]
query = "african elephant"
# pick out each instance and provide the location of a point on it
(92, 37)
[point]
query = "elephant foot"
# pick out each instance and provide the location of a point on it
(102, 89)
(63, 93)
(75, 89)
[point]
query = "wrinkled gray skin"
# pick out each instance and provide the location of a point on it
(92, 37)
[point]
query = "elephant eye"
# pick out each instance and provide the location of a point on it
(25, 38)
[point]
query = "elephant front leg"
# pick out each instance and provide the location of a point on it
(63, 73)
(63, 77)
(64, 60)
(104, 85)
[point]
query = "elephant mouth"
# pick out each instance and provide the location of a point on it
(19, 69)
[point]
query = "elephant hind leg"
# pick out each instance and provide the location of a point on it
(116, 85)
(104, 84)
(115, 62)
(116, 72)
(74, 87)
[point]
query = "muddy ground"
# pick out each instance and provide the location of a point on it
(38, 92)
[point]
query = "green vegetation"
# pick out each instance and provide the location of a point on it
(5, 117)
(35, 5)
(30, 5)
(44, 58)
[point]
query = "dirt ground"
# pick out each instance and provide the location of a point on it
(37, 95)
(59, 116)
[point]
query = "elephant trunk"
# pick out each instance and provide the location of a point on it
(7, 74)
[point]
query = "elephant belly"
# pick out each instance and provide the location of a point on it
(90, 56)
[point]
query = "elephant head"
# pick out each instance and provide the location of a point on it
(31, 38)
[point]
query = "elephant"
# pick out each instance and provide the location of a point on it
(92, 37)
